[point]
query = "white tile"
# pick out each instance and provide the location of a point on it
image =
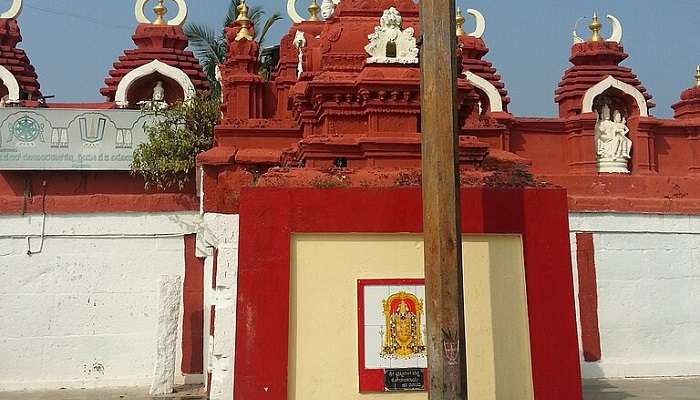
(373, 348)
(373, 312)
(423, 362)
(410, 363)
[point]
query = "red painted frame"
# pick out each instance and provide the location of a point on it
(270, 216)
(372, 380)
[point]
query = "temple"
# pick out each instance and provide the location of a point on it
(302, 233)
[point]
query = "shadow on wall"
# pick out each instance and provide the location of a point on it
(602, 389)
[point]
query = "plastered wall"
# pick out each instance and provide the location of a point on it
(83, 312)
(648, 288)
(323, 327)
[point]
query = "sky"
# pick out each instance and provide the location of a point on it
(73, 43)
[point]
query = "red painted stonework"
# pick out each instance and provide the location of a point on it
(588, 297)
(68, 192)
(17, 62)
(269, 216)
(360, 122)
(156, 42)
(193, 313)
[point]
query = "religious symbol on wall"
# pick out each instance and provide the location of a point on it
(403, 338)
(26, 130)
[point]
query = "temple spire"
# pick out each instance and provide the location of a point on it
(244, 22)
(160, 11)
(595, 27)
(460, 23)
(697, 76)
(313, 11)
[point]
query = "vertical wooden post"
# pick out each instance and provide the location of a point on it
(441, 214)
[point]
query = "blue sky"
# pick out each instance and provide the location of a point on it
(72, 43)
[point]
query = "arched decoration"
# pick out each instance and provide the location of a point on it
(14, 11)
(179, 19)
(152, 67)
(495, 100)
(292, 12)
(616, 29)
(480, 23)
(11, 84)
(611, 82)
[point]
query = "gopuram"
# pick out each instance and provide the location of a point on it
(292, 266)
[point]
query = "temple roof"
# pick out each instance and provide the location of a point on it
(158, 40)
(16, 61)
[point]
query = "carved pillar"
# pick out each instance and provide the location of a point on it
(581, 149)
(642, 132)
(242, 86)
(694, 143)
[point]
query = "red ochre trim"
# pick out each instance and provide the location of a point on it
(193, 313)
(372, 380)
(588, 297)
(99, 203)
(269, 217)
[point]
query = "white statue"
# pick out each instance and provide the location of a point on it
(328, 7)
(300, 43)
(612, 144)
(389, 44)
(159, 92)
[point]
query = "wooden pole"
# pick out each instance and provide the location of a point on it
(441, 214)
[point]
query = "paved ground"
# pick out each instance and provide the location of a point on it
(643, 389)
(186, 393)
(627, 389)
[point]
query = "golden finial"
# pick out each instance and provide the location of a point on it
(460, 23)
(697, 76)
(313, 11)
(595, 28)
(244, 22)
(160, 11)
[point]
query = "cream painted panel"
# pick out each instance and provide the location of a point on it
(323, 319)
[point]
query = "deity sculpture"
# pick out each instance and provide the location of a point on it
(300, 43)
(389, 44)
(403, 337)
(159, 92)
(328, 7)
(613, 147)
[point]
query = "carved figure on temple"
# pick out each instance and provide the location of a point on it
(612, 144)
(159, 92)
(328, 7)
(389, 44)
(300, 43)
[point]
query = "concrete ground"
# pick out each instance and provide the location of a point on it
(643, 389)
(624, 389)
(137, 393)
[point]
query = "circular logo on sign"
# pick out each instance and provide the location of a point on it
(26, 129)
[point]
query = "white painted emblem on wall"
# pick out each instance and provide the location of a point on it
(389, 44)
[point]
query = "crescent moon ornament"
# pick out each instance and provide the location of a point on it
(292, 11)
(178, 20)
(480, 23)
(14, 11)
(616, 29)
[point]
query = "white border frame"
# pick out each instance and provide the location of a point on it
(611, 82)
(495, 100)
(11, 84)
(152, 67)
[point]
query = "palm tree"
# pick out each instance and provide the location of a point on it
(210, 47)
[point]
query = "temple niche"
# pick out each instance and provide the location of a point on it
(389, 44)
(613, 146)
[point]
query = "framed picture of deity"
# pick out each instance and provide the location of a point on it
(392, 335)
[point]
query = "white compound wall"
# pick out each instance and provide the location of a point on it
(84, 311)
(648, 282)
